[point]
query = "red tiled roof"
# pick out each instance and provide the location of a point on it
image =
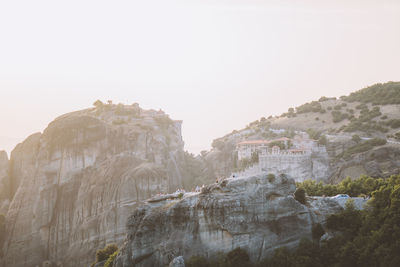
(261, 142)
(254, 142)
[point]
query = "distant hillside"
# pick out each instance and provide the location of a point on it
(370, 115)
(373, 111)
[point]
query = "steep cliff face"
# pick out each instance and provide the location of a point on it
(251, 213)
(379, 162)
(74, 186)
(4, 182)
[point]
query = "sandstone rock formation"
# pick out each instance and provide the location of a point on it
(4, 183)
(251, 213)
(73, 187)
(382, 161)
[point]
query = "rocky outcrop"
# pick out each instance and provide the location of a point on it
(73, 187)
(251, 213)
(381, 161)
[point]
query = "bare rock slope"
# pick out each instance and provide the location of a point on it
(73, 187)
(252, 213)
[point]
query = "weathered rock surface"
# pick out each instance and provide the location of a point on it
(250, 213)
(73, 187)
(4, 183)
(381, 161)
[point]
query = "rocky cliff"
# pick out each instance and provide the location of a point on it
(72, 187)
(252, 213)
(4, 182)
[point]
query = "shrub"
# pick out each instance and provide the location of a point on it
(277, 143)
(300, 195)
(103, 254)
(317, 231)
(338, 116)
(271, 177)
(309, 107)
(237, 257)
(393, 123)
(337, 107)
(314, 134)
(98, 104)
(110, 260)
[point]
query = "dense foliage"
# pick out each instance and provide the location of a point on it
(380, 94)
(363, 186)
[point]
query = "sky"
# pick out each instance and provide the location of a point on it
(215, 64)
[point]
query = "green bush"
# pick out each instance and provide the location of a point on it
(271, 177)
(300, 195)
(110, 260)
(105, 253)
(314, 134)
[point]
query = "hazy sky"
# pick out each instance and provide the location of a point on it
(215, 64)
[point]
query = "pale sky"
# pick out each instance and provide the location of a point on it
(215, 64)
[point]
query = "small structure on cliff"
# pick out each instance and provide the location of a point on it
(294, 157)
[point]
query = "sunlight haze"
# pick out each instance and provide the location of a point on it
(216, 65)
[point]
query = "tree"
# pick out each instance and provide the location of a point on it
(317, 231)
(98, 104)
(300, 195)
